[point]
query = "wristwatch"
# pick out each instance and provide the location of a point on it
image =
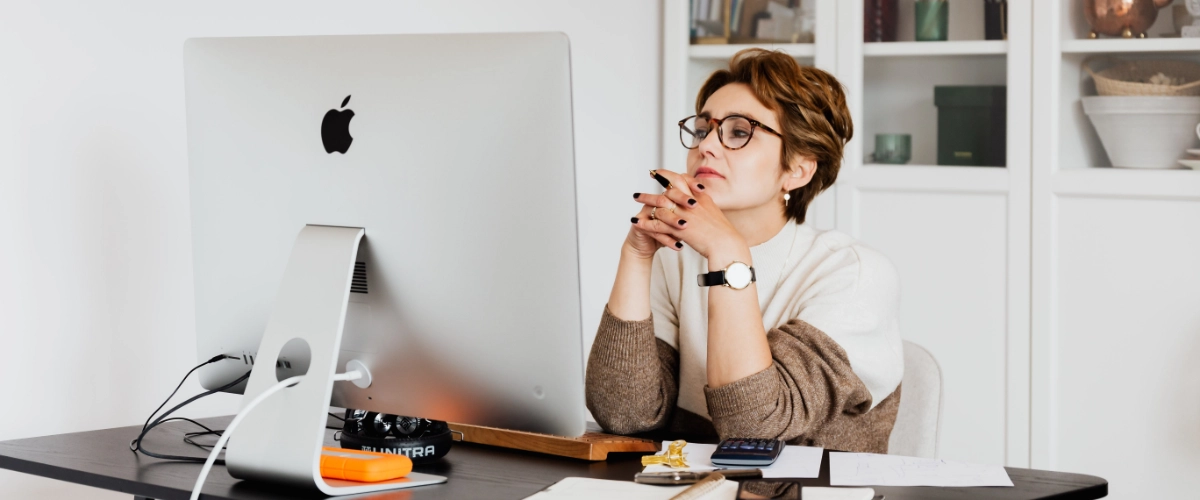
(737, 276)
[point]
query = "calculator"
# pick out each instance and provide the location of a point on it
(747, 451)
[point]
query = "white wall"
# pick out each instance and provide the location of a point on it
(96, 315)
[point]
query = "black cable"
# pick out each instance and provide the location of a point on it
(162, 419)
(334, 415)
(133, 445)
(136, 444)
(151, 422)
(210, 361)
(188, 438)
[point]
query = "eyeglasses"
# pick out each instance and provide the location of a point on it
(734, 131)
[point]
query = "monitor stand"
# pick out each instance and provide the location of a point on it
(280, 441)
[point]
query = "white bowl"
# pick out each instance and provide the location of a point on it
(1144, 131)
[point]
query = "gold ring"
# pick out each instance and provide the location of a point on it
(672, 207)
(652, 210)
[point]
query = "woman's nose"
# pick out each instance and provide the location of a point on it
(710, 144)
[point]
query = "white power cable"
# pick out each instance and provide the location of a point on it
(279, 386)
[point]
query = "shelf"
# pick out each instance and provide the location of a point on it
(931, 178)
(919, 49)
(1106, 45)
(726, 51)
(1127, 182)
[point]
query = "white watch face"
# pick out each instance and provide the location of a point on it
(737, 275)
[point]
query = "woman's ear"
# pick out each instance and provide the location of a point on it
(802, 172)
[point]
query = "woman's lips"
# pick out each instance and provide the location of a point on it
(708, 172)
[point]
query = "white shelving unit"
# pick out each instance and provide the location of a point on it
(1058, 293)
(958, 235)
(1112, 343)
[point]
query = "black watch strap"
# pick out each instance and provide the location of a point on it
(716, 278)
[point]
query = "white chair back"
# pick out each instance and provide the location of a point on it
(919, 419)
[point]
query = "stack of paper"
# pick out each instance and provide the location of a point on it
(868, 469)
(793, 461)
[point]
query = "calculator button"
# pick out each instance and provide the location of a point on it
(747, 446)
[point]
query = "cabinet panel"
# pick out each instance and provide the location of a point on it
(1126, 338)
(950, 251)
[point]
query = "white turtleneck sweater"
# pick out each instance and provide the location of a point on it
(833, 282)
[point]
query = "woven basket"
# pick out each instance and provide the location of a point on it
(1131, 77)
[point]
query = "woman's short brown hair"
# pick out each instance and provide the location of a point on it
(811, 107)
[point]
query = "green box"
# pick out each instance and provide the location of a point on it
(971, 124)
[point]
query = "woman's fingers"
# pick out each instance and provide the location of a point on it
(666, 241)
(680, 198)
(675, 180)
(667, 211)
(661, 226)
(650, 228)
(695, 185)
(663, 222)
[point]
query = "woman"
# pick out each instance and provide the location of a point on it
(809, 352)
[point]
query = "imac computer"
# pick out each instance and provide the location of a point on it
(404, 202)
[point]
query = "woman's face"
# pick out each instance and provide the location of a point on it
(744, 178)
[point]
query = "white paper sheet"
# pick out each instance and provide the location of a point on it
(869, 469)
(793, 461)
(821, 493)
(583, 488)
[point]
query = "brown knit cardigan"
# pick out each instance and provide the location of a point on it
(808, 396)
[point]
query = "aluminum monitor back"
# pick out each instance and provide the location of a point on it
(457, 160)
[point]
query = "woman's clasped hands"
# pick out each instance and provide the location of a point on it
(684, 213)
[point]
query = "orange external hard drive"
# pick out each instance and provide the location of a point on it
(363, 466)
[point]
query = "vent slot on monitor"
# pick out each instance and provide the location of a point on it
(359, 283)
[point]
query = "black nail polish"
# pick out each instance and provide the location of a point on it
(682, 222)
(633, 220)
(635, 195)
(678, 244)
(691, 201)
(701, 186)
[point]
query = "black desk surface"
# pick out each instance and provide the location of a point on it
(102, 459)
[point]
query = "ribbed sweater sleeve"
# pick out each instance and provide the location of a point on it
(808, 391)
(632, 377)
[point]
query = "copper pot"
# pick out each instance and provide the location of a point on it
(1126, 18)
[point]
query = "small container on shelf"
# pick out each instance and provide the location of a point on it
(972, 124)
(932, 20)
(894, 149)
